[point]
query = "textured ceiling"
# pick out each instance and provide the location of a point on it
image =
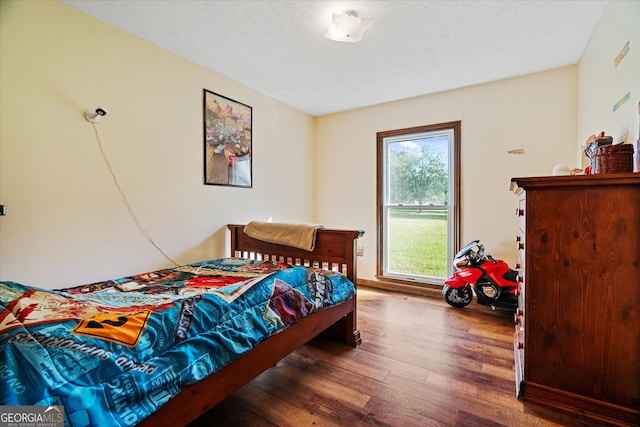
(412, 48)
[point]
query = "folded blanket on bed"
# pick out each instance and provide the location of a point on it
(301, 236)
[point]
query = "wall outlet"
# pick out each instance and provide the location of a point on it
(360, 251)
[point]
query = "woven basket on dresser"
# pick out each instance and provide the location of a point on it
(613, 159)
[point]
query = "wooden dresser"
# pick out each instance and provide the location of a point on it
(577, 340)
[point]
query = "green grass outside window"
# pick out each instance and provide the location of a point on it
(418, 242)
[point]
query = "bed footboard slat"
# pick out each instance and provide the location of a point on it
(332, 247)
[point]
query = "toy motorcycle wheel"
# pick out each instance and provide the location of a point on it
(457, 297)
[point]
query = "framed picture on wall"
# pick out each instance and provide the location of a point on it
(227, 141)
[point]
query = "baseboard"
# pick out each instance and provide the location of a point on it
(579, 405)
(401, 287)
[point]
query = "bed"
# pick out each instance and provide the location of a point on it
(263, 302)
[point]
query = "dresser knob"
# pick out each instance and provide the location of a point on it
(520, 246)
(520, 346)
(520, 312)
(519, 212)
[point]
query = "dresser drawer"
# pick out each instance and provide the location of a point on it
(518, 350)
(521, 211)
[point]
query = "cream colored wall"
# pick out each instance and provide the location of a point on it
(66, 222)
(536, 112)
(602, 84)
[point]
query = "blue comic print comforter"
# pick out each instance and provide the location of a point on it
(111, 353)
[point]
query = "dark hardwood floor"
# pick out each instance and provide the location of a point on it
(421, 363)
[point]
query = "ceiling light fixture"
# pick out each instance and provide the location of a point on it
(347, 27)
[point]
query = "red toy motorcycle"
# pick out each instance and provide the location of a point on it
(494, 283)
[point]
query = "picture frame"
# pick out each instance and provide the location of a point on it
(227, 141)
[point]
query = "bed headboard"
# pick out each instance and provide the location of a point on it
(334, 250)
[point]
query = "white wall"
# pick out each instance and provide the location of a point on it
(66, 222)
(536, 112)
(602, 83)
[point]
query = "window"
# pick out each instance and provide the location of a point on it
(418, 203)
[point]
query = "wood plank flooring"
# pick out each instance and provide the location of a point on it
(421, 363)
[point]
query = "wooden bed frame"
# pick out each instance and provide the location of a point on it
(334, 250)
